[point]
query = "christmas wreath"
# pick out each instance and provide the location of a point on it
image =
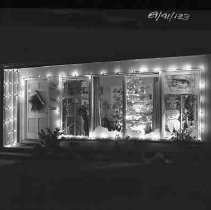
(36, 101)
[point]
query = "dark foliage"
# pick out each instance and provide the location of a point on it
(50, 138)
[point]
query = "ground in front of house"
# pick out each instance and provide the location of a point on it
(65, 184)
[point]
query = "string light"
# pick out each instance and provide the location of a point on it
(201, 66)
(57, 110)
(172, 68)
(117, 71)
(143, 69)
(48, 75)
(157, 69)
(202, 84)
(103, 72)
(187, 67)
(202, 99)
(58, 123)
(75, 74)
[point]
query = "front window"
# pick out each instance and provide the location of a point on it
(75, 107)
(181, 104)
(108, 106)
(141, 105)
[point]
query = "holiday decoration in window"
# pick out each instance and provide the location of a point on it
(75, 107)
(139, 112)
(181, 105)
(37, 102)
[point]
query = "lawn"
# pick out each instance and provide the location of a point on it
(78, 184)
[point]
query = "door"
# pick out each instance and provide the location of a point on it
(37, 103)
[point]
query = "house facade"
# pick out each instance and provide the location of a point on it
(157, 99)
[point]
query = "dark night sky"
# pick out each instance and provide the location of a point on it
(89, 35)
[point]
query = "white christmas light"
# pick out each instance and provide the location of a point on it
(21, 95)
(143, 69)
(187, 67)
(202, 84)
(103, 72)
(202, 67)
(157, 69)
(201, 113)
(61, 75)
(117, 71)
(172, 68)
(202, 98)
(48, 75)
(58, 123)
(57, 110)
(75, 74)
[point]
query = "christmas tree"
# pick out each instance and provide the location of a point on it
(139, 104)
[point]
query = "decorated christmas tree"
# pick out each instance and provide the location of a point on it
(139, 104)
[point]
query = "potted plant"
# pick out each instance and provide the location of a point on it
(50, 140)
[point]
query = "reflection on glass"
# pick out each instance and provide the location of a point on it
(108, 106)
(75, 107)
(181, 106)
(139, 106)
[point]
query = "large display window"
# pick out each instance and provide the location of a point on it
(128, 104)
(181, 104)
(142, 103)
(75, 107)
(108, 106)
